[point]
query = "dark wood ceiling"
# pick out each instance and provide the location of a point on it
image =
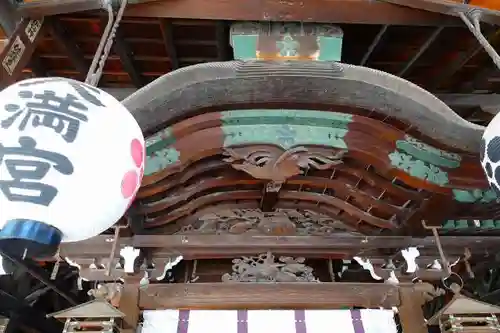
(441, 59)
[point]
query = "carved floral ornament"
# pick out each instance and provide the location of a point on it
(266, 268)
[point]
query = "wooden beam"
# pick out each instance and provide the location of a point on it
(231, 246)
(74, 53)
(433, 211)
(461, 59)
(8, 17)
(166, 27)
(123, 50)
(333, 246)
(488, 102)
(100, 246)
(224, 50)
(38, 9)
(19, 50)
(449, 8)
(338, 11)
(324, 295)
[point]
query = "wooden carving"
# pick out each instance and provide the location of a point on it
(254, 221)
(265, 268)
(95, 269)
(110, 292)
(271, 163)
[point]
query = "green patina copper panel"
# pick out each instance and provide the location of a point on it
(244, 46)
(473, 196)
(423, 161)
(159, 154)
(286, 41)
(457, 225)
(429, 154)
(418, 168)
(330, 48)
(477, 196)
(285, 128)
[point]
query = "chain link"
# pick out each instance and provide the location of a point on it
(102, 53)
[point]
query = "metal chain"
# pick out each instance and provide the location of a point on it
(102, 53)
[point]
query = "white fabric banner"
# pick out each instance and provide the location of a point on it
(269, 321)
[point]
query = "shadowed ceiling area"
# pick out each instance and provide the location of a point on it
(441, 59)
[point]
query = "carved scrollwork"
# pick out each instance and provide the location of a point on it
(265, 268)
(254, 221)
(271, 163)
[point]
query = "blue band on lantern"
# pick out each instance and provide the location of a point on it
(29, 238)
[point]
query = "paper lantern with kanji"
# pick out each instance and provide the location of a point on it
(71, 161)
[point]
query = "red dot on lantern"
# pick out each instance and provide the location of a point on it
(137, 152)
(129, 184)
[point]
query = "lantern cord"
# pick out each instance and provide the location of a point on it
(472, 21)
(113, 250)
(102, 53)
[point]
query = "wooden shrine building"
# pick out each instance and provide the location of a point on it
(301, 155)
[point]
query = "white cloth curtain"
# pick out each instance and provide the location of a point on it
(269, 321)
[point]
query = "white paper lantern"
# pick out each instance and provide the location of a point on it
(71, 161)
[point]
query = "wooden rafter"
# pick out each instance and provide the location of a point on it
(38, 9)
(166, 27)
(340, 11)
(126, 55)
(224, 52)
(461, 59)
(62, 38)
(432, 37)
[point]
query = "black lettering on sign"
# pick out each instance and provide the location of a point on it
(12, 57)
(62, 114)
(27, 174)
(88, 93)
(33, 28)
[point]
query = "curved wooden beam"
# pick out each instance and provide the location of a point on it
(178, 95)
(386, 148)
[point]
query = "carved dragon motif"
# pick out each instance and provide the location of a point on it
(271, 163)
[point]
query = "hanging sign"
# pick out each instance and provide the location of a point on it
(71, 161)
(19, 49)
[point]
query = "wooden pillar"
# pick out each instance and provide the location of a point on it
(129, 305)
(411, 314)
